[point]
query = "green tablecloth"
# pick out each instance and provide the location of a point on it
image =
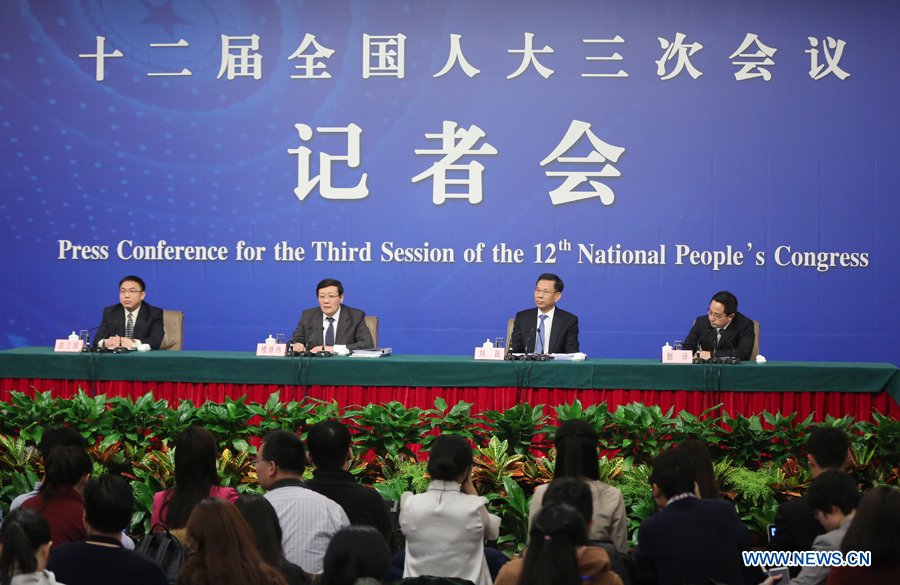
(446, 371)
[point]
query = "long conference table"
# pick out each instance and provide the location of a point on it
(820, 388)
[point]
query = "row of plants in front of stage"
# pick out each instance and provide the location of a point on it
(759, 459)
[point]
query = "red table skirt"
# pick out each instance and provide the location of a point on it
(821, 404)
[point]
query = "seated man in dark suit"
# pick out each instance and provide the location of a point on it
(108, 506)
(724, 333)
(690, 540)
(329, 452)
(546, 328)
(331, 326)
(131, 322)
(796, 526)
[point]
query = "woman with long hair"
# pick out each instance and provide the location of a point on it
(225, 549)
(59, 498)
(263, 521)
(875, 529)
(449, 517)
(355, 553)
(578, 455)
(25, 542)
(704, 470)
(195, 478)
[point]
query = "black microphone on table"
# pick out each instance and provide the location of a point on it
(699, 360)
(732, 359)
(540, 357)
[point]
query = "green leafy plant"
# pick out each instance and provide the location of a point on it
(386, 429)
(492, 463)
(457, 420)
(639, 432)
(518, 427)
(512, 507)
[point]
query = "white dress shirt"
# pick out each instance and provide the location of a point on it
(336, 317)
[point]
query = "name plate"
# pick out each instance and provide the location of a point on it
(68, 346)
(490, 353)
(677, 356)
(271, 349)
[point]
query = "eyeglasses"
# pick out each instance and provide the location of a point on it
(544, 292)
(130, 291)
(328, 297)
(256, 462)
(714, 315)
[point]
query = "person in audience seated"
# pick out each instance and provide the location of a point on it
(356, 555)
(59, 499)
(555, 543)
(722, 330)
(195, 478)
(262, 519)
(545, 329)
(308, 519)
(329, 453)
(24, 548)
(833, 497)
(331, 326)
(705, 471)
(577, 455)
(796, 527)
(225, 549)
(131, 322)
(876, 529)
(690, 540)
(108, 506)
(51, 438)
(446, 526)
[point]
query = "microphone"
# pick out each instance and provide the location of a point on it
(541, 337)
(541, 357)
(699, 360)
(87, 344)
(732, 359)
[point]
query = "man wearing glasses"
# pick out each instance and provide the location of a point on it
(546, 328)
(331, 326)
(131, 322)
(725, 331)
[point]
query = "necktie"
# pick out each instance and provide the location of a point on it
(129, 327)
(542, 336)
(329, 333)
(718, 336)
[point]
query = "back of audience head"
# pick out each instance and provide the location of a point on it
(108, 505)
(576, 444)
(25, 541)
(876, 527)
(672, 474)
(329, 444)
(225, 549)
(263, 521)
(574, 492)
(450, 458)
(53, 437)
(557, 532)
(65, 466)
(827, 448)
(282, 454)
(355, 552)
(196, 450)
(705, 471)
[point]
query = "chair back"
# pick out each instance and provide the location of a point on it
(755, 341)
(372, 324)
(509, 328)
(173, 322)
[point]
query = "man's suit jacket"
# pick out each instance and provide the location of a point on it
(149, 327)
(796, 528)
(737, 339)
(563, 334)
(691, 541)
(351, 329)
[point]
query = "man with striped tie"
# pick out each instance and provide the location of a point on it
(131, 322)
(546, 328)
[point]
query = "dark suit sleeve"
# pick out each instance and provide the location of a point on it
(103, 331)
(299, 335)
(572, 336)
(746, 337)
(157, 329)
(516, 341)
(693, 337)
(361, 333)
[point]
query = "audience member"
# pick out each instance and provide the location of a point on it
(24, 548)
(796, 526)
(108, 506)
(690, 540)
(446, 526)
(356, 554)
(875, 529)
(51, 438)
(554, 548)
(329, 453)
(308, 519)
(196, 478)
(578, 455)
(704, 470)
(262, 519)
(833, 497)
(225, 549)
(59, 499)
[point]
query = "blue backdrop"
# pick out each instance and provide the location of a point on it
(768, 129)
